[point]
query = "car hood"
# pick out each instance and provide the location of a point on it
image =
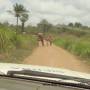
(5, 67)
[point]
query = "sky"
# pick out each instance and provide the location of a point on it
(54, 11)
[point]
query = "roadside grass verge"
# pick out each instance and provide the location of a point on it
(23, 51)
(15, 47)
(78, 46)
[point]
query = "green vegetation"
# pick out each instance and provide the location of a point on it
(78, 46)
(15, 43)
(15, 47)
(26, 44)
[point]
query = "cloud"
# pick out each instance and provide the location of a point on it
(55, 11)
(5, 5)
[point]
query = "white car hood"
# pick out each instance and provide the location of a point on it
(5, 67)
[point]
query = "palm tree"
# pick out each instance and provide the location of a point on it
(23, 19)
(18, 10)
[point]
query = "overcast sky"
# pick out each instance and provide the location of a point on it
(55, 11)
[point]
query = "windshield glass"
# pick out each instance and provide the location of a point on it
(45, 37)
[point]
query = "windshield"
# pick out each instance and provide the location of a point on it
(45, 37)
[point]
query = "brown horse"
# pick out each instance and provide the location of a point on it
(41, 38)
(49, 40)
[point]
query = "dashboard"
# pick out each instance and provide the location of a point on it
(20, 84)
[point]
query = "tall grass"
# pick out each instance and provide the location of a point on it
(27, 43)
(5, 40)
(80, 47)
(15, 47)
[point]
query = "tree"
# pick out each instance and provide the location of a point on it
(18, 10)
(24, 18)
(70, 24)
(44, 25)
(77, 24)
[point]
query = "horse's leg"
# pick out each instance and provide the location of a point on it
(50, 42)
(42, 41)
(47, 42)
(38, 42)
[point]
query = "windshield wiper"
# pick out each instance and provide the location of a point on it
(51, 78)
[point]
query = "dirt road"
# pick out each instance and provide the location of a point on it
(56, 57)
